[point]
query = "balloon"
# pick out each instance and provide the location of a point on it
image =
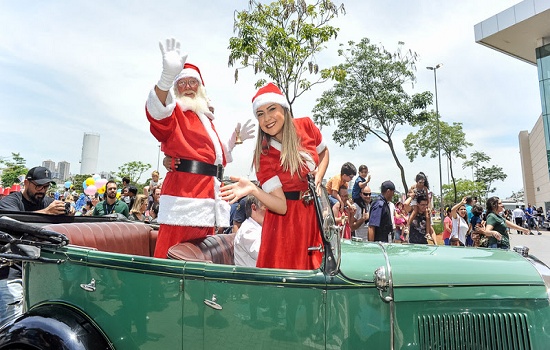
(90, 181)
(90, 190)
(68, 184)
(84, 184)
(101, 189)
(96, 177)
(100, 183)
(118, 195)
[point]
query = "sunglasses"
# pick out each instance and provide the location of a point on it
(366, 194)
(40, 187)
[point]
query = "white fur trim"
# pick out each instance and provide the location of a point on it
(182, 211)
(213, 136)
(269, 97)
(203, 212)
(228, 155)
(223, 209)
(272, 184)
(276, 144)
(188, 73)
(156, 109)
(321, 147)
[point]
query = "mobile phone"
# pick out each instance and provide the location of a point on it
(67, 208)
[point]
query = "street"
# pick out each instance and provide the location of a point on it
(539, 246)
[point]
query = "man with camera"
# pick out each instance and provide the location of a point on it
(32, 198)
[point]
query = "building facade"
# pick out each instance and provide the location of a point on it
(64, 170)
(523, 32)
(90, 153)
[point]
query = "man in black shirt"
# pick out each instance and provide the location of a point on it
(380, 219)
(33, 198)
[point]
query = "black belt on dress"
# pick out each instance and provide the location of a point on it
(294, 195)
(202, 168)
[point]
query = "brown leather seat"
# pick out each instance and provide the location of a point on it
(217, 249)
(117, 237)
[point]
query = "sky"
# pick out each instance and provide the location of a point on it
(74, 67)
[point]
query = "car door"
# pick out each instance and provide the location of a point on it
(253, 308)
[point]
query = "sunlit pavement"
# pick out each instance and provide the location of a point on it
(539, 245)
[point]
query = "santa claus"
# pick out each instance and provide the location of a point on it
(181, 120)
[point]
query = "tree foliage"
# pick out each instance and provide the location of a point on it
(452, 141)
(281, 40)
(488, 175)
(133, 170)
(13, 169)
(476, 158)
(461, 188)
(78, 180)
(371, 99)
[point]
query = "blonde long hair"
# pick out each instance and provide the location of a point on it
(291, 158)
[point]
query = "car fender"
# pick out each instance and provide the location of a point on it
(54, 326)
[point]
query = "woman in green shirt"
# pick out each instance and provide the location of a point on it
(496, 225)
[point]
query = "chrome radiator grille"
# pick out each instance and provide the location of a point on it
(474, 331)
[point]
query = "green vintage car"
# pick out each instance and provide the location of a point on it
(105, 291)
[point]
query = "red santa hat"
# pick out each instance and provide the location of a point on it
(269, 94)
(190, 71)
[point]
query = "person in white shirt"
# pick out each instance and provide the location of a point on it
(249, 236)
(518, 216)
(361, 223)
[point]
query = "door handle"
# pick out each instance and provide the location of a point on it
(212, 303)
(90, 287)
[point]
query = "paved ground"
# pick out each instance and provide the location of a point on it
(539, 246)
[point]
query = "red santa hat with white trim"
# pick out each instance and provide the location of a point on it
(269, 93)
(190, 71)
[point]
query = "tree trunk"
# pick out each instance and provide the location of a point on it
(401, 169)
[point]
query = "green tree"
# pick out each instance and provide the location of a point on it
(133, 170)
(77, 181)
(13, 169)
(460, 189)
(425, 141)
(474, 161)
(487, 176)
(281, 40)
(371, 99)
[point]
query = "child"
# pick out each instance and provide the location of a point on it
(360, 183)
(477, 210)
(347, 172)
(420, 188)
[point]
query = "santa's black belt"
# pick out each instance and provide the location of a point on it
(202, 168)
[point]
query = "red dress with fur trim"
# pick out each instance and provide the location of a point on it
(190, 205)
(286, 238)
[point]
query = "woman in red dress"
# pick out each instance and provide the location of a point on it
(287, 150)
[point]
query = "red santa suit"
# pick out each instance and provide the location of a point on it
(190, 204)
(286, 238)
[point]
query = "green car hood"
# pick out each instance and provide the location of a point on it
(422, 265)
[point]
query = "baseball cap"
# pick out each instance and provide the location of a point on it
(40, 175)
(387, 185)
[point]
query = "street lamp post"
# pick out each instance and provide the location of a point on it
(441, 212)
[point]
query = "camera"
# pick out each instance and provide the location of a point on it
(67, 208)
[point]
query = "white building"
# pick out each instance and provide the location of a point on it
(523, 32)
(90, 152)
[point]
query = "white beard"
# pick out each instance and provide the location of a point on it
(197, 104)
